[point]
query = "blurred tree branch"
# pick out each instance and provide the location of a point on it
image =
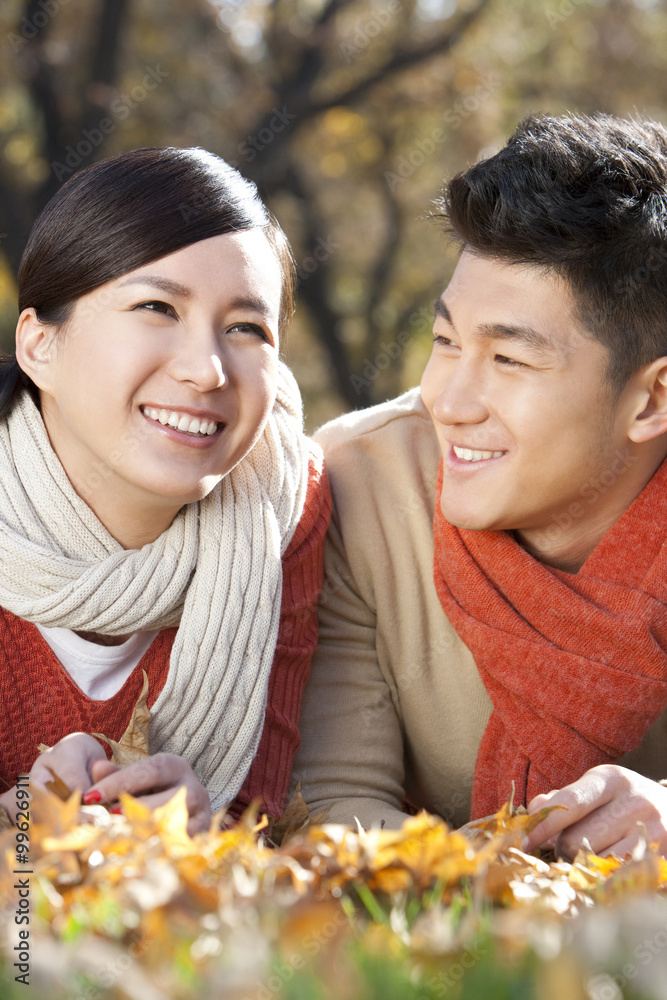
(295, 93)
(276, 170)
(301, 74)
(58, 130)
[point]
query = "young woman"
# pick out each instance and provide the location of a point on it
(160, 506)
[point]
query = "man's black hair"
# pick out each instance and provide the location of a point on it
(586, 198)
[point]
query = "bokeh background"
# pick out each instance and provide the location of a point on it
(347, 114)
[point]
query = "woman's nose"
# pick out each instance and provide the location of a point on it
(200, 362)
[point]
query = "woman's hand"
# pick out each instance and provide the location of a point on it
(153, 780)
(79, 759)
(72, 759)
(604, 806)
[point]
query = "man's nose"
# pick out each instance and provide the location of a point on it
(461, 399)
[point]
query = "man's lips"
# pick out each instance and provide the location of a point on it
(474, 455)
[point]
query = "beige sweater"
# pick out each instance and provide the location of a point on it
(394, 706)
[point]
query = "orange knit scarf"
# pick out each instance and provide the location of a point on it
(575, 664)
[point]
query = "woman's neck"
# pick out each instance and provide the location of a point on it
(103, 640)
(127, 515)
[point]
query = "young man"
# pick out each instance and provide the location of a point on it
(495, 604)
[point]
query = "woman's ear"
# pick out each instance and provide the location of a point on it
(651, 419)
(35, 348)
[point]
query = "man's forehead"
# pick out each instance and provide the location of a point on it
(509, 330)
(521, 303)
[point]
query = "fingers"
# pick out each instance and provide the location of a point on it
(71, 759)
(196, 799)
(101, 768)
(579, 799)
(604, 808)
(154, 781)
(155, 773)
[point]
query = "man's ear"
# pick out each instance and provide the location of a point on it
(35, 344)
(650, 420)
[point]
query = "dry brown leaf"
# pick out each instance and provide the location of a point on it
(145, 863)
(133, 744)
(5, 822)
(57, 787)
(507, 819)
(50, 815)
(294, 819)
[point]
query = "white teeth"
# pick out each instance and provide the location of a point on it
(181, 421)
(470, 455)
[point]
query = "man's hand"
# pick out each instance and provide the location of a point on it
(604, 807)
(153, 780)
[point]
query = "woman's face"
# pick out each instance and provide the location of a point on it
(162, 379)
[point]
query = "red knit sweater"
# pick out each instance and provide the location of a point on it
(42, 704)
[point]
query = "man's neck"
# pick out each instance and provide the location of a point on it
(571, 536)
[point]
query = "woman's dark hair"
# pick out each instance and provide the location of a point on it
(127, 211)
(585, 198)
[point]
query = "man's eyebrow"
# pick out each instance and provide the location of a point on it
(504, 331)
(441, 309)
(163, 284)
(526, 334)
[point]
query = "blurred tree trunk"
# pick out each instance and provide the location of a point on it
(333, 62)
(58, 130)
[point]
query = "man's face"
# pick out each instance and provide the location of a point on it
(526, 420)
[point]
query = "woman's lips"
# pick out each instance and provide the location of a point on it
(179, 420)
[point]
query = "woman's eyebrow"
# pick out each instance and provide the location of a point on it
(163, 284)
(253, 303)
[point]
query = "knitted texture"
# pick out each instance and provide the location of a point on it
(575, 664)
(215, 573)
(41, 703)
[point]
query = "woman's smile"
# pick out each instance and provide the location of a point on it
(184, 422)
(149, 402)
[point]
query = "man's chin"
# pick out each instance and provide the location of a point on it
(471, 522)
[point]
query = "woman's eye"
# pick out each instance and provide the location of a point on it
(156, 306)
(248, 328)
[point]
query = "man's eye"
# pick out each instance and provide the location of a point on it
(444, 341)
(509, 362)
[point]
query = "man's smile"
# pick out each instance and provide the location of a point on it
(474, 454)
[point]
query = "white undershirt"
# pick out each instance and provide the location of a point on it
(100, 671)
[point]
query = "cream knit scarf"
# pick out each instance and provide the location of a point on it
(216, 573)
